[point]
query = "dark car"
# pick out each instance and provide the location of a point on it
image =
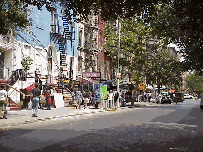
(179, 97)
(166, 99)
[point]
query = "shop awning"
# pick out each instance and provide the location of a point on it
(29, 87)
(83, 80)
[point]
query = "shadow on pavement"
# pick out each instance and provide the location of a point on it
(145, 137)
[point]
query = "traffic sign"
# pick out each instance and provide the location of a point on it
(141, 86)
(118, 75)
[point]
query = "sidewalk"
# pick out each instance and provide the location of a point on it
(19, 117)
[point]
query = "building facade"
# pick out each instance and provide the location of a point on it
(50, 41)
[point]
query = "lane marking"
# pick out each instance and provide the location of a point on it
(175, 124)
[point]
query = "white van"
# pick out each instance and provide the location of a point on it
(187, 96)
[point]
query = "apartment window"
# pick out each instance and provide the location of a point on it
(100, 40)
(27, 50)
(80, 38)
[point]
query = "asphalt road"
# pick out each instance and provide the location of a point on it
(164, 128)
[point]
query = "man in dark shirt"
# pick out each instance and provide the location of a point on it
(86, 96)
(35, 99)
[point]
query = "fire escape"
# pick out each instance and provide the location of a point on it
(60, 35)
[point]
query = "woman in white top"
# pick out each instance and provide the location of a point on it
(3, 100)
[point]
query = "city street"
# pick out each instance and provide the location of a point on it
(164, 128)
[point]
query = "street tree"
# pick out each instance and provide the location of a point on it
(162, 68)
(180, 21)
(26, 62)
(194, 83)
(134, 34)
(13, 13)
(133, 37)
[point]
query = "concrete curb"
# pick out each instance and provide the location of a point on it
(71, 114)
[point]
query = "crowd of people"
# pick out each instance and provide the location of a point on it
(86, 98)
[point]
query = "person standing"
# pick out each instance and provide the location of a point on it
(86, 96)
(3, 101)
(110, 98)
(122, 99)
(35, 93)
(149, 97)
(78, 96)
(48, 100)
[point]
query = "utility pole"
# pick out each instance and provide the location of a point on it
(119, 28)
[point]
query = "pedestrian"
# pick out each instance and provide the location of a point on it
(144, 96)
(90, 98)
(78, 97)
(35, 93)
(116, 98)
(122, 99)
(110, 98)
(48, 100)
(86, 96)
(149, 97)
(3, 101)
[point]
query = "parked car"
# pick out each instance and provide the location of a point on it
(201, 103)
(164, 97)
(187, 96)
(179, 97)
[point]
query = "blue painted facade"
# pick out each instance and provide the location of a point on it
(47, 27)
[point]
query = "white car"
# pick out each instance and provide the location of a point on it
(187, 96)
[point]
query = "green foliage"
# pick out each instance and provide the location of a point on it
(181, 22)
(43, 101)
(12, 16)
(21, 103)
(178, 21)
(26, 62)
(163, 69)
(194, 83)
(133, 37)
(13, 13)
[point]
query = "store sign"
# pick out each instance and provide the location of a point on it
(76, 82)
(91, 74)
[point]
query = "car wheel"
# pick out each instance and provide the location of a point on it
(201, 106)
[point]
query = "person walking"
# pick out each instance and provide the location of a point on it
(48, 100)
(86, 96)
(90, 98)
(35, 93)
(3, 101)
(78, 97)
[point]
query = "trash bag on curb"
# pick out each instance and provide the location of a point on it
(30, 104)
